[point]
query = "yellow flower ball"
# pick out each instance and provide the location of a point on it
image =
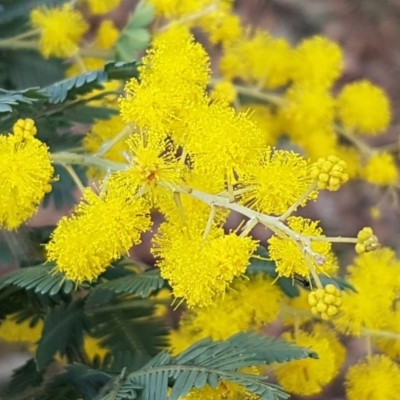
(365, 107)
(317, 61)
(380, 170)
(376, 378)
(61, 30)
(308, 376)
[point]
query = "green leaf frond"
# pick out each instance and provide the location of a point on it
(129, 332)
(142, 284)
(209, 362)
(20, 99)
(39, 279)
(57, 105)
(71, 88)
(63, 327)
(122, 70)
(82, 84)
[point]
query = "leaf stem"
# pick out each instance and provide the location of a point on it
(351, 137)
(19, 45)
(381, 333)
(260, 94)
(95, 53)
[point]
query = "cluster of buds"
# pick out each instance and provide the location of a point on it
(325, 301)
(367, 241)
(25, 128)
(330, 173)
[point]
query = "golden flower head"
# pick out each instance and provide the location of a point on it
(102, 6)
(377, 377)
(25, 175)
(61, 30)
(200, 268)
(101, 229)
(380, 169)
(279, 180)
(375, 277)
(365, 107)
(290, 259)
(317, 61)
(308, 376)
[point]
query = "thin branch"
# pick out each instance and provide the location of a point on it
(297, 203)
(74, 177)
(126, 131)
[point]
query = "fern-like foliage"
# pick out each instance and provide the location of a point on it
(129, 331)
(57, 104)
(39, 279)
(10, 99)
(209, 362)
(63, 327)
(121, 70)
(84, 83)
(137, 284)
(72, 87)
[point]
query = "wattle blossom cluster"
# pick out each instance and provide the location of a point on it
(183, 143)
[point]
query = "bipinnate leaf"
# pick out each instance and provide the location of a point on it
(39, 279)
(72, 87)
(124, 327)
(209, 362)
(121, 70)
(63, 326)
(17, 98)
(141, 285)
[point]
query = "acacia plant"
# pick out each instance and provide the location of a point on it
(131, 122)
